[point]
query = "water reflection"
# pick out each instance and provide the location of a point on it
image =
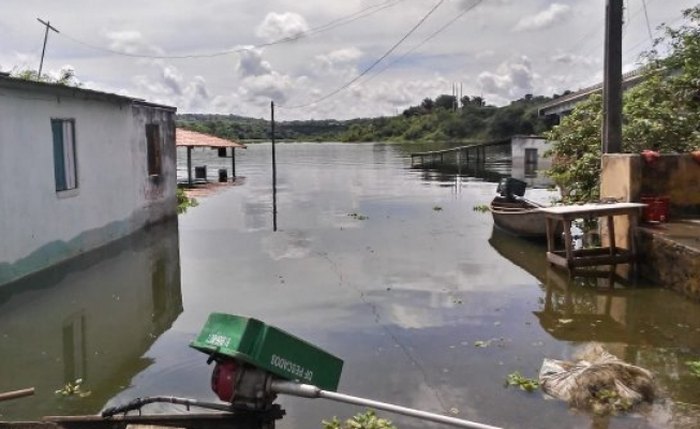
(91, 318)
(650, 327)
(401, 296)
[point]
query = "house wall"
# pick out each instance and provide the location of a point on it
(519, 170)
(114, 197)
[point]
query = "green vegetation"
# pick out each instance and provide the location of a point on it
(66, 77)
(524, 383)
(432, 120)
(366, 420)
(609, 401)
(358, 216)
(481, 208)
(73, 389)
(694, 367)
(241, 128)
(662, 113)
(183, 201)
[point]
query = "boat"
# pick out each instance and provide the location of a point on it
(519, 217)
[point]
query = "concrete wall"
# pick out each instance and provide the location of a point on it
(675, 176)
(519, 170)
(628, 177)
(114, 197)
(668, 251)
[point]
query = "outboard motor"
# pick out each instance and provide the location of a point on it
(255, 362)
(509, 188)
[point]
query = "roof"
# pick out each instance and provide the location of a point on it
(189, 138)
(10, 82)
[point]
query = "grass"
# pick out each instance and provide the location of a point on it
(524, 383)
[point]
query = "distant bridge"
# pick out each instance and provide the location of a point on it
(563, 105)
(474, 152)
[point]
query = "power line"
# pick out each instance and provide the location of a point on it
(426, 40)
(373, 65)
(646, 15)
(365, 12)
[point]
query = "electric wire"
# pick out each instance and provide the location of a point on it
(365, 12)
(646, 16)
(426, 40)
(371, 66)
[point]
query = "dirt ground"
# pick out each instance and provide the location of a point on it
(202, 190)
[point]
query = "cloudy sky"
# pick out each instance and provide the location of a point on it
(234, 56)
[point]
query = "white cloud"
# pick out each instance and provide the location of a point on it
(573, 59)
(131, 42)
(512, 80)
(261, 89)
(278, 26)
(340, 56)
(243, 83)
(170, 86)
(546, 18)
(251, 63)
(172, 79)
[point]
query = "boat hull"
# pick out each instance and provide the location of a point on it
(519, 218)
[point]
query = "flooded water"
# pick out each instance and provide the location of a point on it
(401, 290)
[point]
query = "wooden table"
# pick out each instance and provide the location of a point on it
(610, 255)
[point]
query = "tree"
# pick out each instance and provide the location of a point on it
(662, 113)
(427, 104)
(445, 101)
(478, 101)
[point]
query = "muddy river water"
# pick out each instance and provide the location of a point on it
(388, 267)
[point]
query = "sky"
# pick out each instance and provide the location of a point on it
(235, 57)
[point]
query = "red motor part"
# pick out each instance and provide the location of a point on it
(223, 380)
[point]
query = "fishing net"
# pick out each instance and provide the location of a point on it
(597, 381)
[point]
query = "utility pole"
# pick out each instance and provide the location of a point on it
(274, 166)
(612, 80)
(46, 36)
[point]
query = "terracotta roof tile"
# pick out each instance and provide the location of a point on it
(192, 138)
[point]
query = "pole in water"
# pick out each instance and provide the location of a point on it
(309, 391)
(43, 49)
(274, 167)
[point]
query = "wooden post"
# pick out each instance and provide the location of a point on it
(43, 49)
(611, 233)
(16, 394)
(612, 80)
(189, 166)
(233, 164)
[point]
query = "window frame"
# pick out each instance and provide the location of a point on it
(154, 150)
(65, 159)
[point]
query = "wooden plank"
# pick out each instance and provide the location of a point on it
(556, 259)
(591, 261)
(551, 228)
(241, 420)
(598, 210)
(568, 243)
(16, 394)
(611, 234)
(136, 426)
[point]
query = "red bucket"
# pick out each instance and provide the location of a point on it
(656, 209)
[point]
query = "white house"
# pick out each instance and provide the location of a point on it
(529, 162)
(78, 169)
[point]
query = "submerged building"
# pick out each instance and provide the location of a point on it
(78, 169)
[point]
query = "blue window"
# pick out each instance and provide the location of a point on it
(64, 162)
